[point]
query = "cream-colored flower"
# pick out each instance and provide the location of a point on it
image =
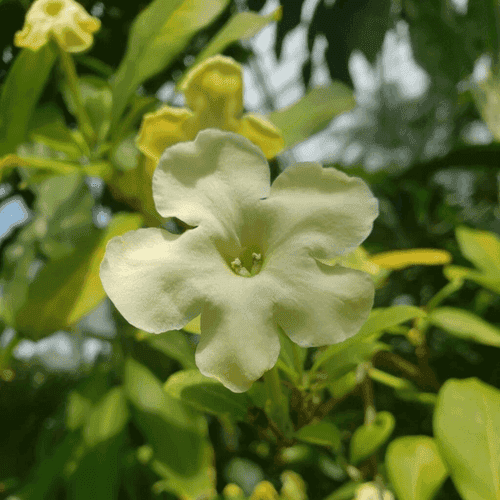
(65, 20)
(371, 491)
(214, 96)
(251, 264)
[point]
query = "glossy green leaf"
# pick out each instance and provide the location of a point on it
(466, 423)
(466, 325)
(20, 93)
(107, 418)
(378, 321)
(175, 345)
(206, 394)
(313, 112)
(482, 248)
(175, 431)
(159, 33)
(241, 26)
(322, 433)
(415, 467)
(67, 289)
(367, 439)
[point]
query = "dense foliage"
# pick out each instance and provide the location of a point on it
(92, 407)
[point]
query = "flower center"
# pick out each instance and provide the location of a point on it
(241, 270)
(53, 8)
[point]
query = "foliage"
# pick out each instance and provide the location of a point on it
(407, 408)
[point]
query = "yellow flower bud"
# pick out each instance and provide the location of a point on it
(65, 20)
(233, 492)
(214, 96)
(264, 491)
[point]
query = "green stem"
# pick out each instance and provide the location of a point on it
(69, 70)
(298, 362)
(445, 292)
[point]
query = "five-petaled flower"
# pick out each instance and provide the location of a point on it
(214, 96)
(252, 262)
(66, 20)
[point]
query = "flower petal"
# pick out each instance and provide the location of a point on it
(158, 280)
(321, 209)
(214, 91)
(323, 304)
(211, 181)
(162, 129)
(262, 133)
(239, 336)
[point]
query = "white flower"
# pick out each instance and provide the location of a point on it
(371, 491)
(252, 262)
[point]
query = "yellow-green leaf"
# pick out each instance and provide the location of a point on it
(66, 289)
(321, 433)
(107, 418)
(466, 423)
(400, 259)
(367, 439)
(480, 247)
(415, 467)
(466, 325)
(313, 112)
(206, 394)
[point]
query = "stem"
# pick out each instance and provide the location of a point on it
(370, 414)
(445, 292)
(68, 67)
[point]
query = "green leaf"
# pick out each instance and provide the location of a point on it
(159, 33)
(347, 357)
(313, 112)
(97, 473)
(106, 419)
(367, 439)
(379, 320)
(322, 433)
(241, 26)
(77, 410)
(21, 90)
(67, 289)
(466, 423)
(482, 248)
(206, 394)
(492, 282)
(175, 345)
(466, 325)
(175, 431)
(97, 100)
(415, 467)
(48, 127)
(42, 481)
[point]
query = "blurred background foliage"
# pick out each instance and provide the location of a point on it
(427, 146)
